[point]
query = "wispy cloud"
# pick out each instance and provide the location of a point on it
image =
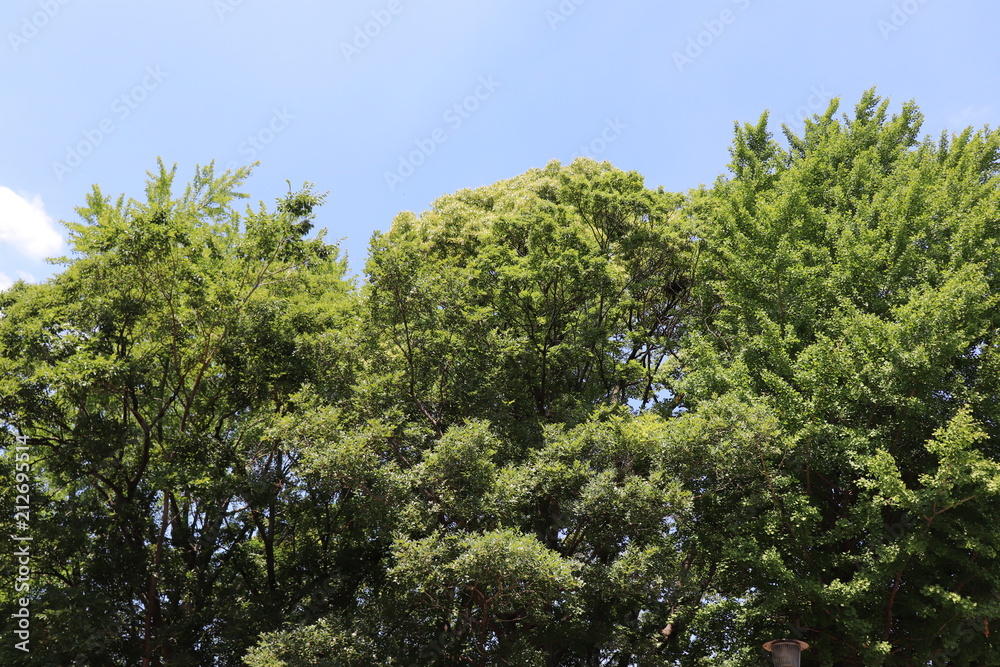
(6, 281)
(25, 226)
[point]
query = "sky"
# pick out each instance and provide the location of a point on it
(389, 104)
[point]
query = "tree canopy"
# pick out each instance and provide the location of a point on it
(564, 419)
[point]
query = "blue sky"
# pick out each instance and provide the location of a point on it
(388, 104)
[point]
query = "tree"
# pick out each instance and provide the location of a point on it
(145, 376)
(850, 290)
(515, 509)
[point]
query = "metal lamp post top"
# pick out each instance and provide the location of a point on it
(786, 652)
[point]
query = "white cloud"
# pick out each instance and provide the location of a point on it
(24, 225)
(6, 281)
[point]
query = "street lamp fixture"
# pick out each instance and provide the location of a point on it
(786, 652)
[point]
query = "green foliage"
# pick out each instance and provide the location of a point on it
(851, 281)
(514, 510)
(142, 376)
(532, 299)
(500, 562)
(567, 420)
